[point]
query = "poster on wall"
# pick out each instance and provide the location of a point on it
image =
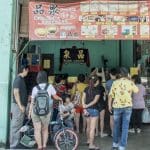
(89, 20)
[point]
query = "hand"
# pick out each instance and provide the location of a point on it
(110, 109)
(29, 115)
(85, 113)
(85, 106)
(22, 108)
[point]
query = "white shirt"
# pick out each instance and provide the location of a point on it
(51, 90)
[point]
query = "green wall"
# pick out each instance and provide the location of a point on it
(110, 49)
(5, 55)
(127, 53)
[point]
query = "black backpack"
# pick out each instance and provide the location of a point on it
(41, 105)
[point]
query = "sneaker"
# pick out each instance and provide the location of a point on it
(131, 130)
(138, 130)
(103, 135)
(114, 148)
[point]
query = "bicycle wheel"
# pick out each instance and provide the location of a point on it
(66, 139)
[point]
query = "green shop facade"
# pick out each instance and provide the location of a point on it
(117, 52)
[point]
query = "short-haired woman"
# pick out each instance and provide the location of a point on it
(41, 123)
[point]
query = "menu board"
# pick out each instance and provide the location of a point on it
(89, 20)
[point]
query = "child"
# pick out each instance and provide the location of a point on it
(66, 110)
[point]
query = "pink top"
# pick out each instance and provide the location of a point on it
(138, 98)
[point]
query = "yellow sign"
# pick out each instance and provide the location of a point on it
(134, 71)
(46, 64)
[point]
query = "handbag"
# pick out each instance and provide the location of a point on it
(146, 116)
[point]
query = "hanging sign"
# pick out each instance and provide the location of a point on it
(74, 55)
(89, 20)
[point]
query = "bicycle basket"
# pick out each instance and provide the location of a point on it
(27, 141)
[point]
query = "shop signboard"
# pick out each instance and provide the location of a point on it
(89, 20)
(74, 55)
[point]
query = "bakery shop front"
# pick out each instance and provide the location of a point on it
(105, 31)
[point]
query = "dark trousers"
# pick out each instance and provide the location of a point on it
(136, 118)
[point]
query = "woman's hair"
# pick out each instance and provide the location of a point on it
(81, 77)
(137, 79)
(113, 71)
(123, 72)
(65, 96)
(58, 78)
(92, 81)
(42, 77)
(22, 68)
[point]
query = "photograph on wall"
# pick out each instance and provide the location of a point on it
(84, 7)
(113, 7)
(94, 6)
(109, 30)
(144, 9)
(89, 30)
(103, 6)
(129, 30)
(144, 30)
(123, 7)
(133, 7)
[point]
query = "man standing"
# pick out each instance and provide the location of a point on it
(18, 106)
(113, 75)
(121, 101)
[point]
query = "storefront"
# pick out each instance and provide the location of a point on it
(107, 30)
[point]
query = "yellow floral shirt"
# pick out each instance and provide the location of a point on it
(121, 93)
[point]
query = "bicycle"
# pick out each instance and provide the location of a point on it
(64, 139)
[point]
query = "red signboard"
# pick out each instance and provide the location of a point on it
(89, 20)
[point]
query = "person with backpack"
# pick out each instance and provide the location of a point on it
(41, 108)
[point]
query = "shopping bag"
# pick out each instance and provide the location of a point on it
(146, 116)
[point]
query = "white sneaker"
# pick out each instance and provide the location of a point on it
(138, 130)
(103, 135)
(131, 130)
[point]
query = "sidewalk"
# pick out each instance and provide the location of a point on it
(135, 141)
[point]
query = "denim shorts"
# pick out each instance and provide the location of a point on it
(93, 112)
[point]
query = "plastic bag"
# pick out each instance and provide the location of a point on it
(146, 116)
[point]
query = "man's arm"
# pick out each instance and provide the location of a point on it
(17, 98)
(110, 104)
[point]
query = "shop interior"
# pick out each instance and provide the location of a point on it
(134, 55)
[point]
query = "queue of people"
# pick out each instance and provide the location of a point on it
(84, 106)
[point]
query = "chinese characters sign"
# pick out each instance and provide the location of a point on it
(89, 20)
(74, 54)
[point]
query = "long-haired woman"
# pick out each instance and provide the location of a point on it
(90, 100)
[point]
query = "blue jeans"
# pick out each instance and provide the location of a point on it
(92, 112)
(121, 126)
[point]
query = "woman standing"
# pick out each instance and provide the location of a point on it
(138, 106)
(90, 100)
(41, 123)
(77, 92)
